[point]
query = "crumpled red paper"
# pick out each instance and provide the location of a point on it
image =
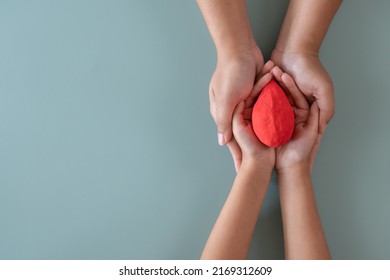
(273, 116)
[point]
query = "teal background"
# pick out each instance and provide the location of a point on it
(108, 151)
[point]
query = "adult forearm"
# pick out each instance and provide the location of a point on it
(228, 24)
(306, 24)
(233, 231)
(303, 234)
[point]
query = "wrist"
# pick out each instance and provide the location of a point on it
(282, 51)
(254, 177)
(238, 51)
(255, 165)
(296, 46)
(296, 35)
(299, 169)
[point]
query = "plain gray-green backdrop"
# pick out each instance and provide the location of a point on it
(108, 150)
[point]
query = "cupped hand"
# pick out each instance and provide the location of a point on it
(249, 102)
(311, 78)
(232, 82)
(253, 151)
(261, 80)
(298, 151)
(314, 82)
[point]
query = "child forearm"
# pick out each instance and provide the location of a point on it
(303, 234)
(232, 233)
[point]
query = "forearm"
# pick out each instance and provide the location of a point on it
(232, 233)
(228, 24)
(305, 25)
(303, 234)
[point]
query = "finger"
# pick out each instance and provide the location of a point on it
(247, 114)
(267, 68)
(325, 117)
(224, 111)
(300, 116)
(238, 123)
(313, 118)
(236, 153)
(261, 83)
(296, 94)
(238, 118)
(257, 89)
(212, 104)
(325, 98)
(277, 73)
(314, 150)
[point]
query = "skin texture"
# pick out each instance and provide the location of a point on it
(303, 234)
(240, 61)
(249, 102)
(239, 64)
(297, 53)
(233, 231)
(304, 238)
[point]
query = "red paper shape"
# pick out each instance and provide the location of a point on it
(272, 116)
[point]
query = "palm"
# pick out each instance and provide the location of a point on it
(311, 78)
(262, 78)
(314, 82)
(231, 83)
(299, 147)
(252, 143)
(244, 137)
(290, 153)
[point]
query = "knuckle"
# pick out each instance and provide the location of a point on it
(222, 125)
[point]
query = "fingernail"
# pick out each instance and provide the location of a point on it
(221, 139)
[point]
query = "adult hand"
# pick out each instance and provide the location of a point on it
(231, 83)
(312, 79)
(239, 64)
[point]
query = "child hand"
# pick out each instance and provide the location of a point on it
(253, 151)
(297, 151)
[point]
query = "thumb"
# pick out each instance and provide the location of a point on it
(325, 117)
(313, 119)
(224, 112)
(327, 106)
(238, 118)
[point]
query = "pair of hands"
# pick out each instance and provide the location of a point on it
(235, 80)
(299, 150)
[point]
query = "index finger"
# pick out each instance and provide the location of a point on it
(296, 94)
(257, 88)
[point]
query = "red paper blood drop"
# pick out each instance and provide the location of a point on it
(272, 116)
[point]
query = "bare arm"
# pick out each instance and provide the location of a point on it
(232, 233)
(306, 24)
(303, 234)
(239, 64)
(297, 53)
